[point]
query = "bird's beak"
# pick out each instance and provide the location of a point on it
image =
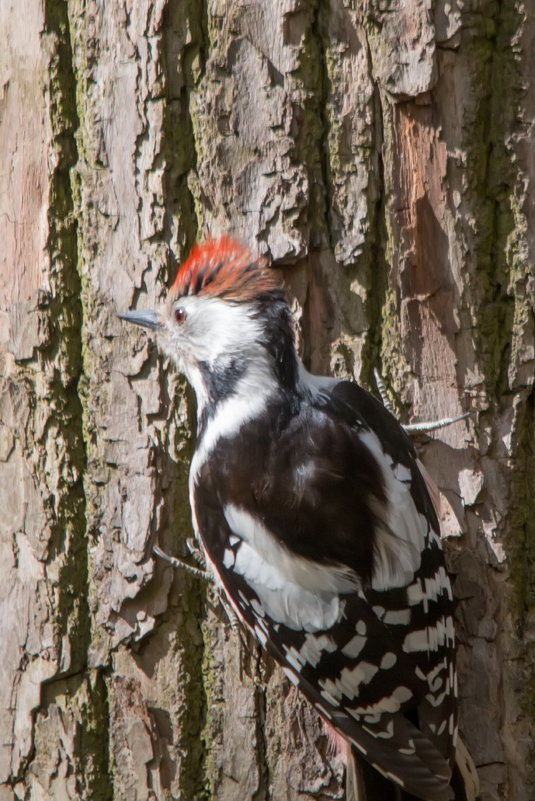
(147, 318)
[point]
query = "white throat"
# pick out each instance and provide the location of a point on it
(248, 400)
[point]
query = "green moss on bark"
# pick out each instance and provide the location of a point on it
(63, 348)
(491, 182)
(61, 359)
(499, 299)
(183, 63)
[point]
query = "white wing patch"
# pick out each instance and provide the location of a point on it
(349, 681)
(311, 651)
(292, 590)
(293, 568)
(354, 646)
(402, 538)
(397, 617)
(429, 589)
(432, 637)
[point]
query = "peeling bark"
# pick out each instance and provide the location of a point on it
(379, 153)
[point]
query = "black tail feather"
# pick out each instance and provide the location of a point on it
(364, 783)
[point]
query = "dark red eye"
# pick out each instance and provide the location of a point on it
(180, 315)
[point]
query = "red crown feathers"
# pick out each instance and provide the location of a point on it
(224, 268)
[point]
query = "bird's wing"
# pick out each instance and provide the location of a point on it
(428, 632)
(326, 543)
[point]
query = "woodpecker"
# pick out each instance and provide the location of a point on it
(316, 522)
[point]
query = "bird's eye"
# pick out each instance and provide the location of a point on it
(180, 315)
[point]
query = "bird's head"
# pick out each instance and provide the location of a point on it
(225, 317)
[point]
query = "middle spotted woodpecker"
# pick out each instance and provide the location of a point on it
(314, 517)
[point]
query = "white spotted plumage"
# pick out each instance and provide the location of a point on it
(315, 519)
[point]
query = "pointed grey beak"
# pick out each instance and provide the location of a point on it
(147, 318)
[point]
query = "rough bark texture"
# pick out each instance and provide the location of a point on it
(381, 151)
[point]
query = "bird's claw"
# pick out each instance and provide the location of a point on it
(431, 425)
(172, 560)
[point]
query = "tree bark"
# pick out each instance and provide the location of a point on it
(380, 153)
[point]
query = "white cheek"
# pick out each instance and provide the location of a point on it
(216, 329)
(214, 332)
(172, 344)
(175, 343)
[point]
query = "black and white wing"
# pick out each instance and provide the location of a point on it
(325, 540)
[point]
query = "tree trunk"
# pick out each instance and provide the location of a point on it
(379, 152)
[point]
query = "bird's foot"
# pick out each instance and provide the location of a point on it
(172, 560)
(197, 554)
(431, 425)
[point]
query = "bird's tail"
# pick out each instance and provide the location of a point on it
(364, 783)
(464, 780)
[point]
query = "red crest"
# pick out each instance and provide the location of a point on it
(224, 268)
